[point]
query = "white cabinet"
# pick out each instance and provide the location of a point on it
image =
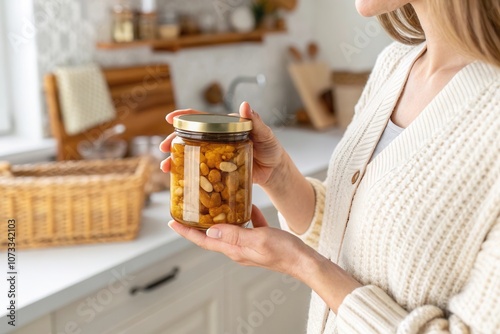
(265, 302)
(209, 295)
(196, 311)
(196, 288)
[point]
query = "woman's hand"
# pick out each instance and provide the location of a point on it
(267, 151)
(276, 250)
(261, 246)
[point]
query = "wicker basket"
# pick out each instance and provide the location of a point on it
(74, 202)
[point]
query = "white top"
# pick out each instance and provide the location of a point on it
(390, 133)
(419, 226)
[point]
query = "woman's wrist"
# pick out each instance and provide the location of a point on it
(327, 279)
(311, 266)
(292, 195)
(280, 173)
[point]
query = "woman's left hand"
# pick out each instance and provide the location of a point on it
(261, 246)
(277, 250)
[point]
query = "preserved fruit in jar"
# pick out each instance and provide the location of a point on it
(211, 170)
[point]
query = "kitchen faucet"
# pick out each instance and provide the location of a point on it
(260, 80)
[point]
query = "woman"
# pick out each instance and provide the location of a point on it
(405, 231)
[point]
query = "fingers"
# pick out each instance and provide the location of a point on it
(258, 219)
(165, 165)
(200, 238)
(196, 236)
(165, 145)
(170, 116)
(260, 132)
(234, 235)
(219, 238)
(246, 111)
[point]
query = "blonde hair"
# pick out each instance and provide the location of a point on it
(471, 26)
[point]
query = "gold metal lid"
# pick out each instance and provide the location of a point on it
(210, 123)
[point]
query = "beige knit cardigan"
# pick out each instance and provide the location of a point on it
(419, 226)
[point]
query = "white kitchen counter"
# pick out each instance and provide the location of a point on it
(51, 278)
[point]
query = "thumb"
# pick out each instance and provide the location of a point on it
(230, 234)
(260, 132)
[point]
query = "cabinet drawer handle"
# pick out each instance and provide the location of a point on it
(159, 282)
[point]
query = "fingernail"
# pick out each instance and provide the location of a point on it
(170, 224)
(214, 233)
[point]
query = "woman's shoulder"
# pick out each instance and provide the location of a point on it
(385, 65)
(487, 71)
(487, 78)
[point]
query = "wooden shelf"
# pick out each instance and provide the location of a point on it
(192, 41)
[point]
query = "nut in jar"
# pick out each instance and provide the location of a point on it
(211, 170)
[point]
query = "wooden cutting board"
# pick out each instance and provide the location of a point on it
(311, 79)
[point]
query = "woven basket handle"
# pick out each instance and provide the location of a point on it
(5, 169)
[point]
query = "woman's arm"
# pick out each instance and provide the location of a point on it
(275, 250)
(292, 195)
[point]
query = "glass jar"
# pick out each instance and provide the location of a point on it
(147, 26)
(211, 170)
(124, 24)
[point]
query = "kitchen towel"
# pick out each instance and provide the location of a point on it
(84, 98)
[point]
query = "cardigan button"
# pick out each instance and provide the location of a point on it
(355, 177)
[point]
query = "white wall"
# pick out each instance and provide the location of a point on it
(5, 120)
(24, 82)
(349, 41)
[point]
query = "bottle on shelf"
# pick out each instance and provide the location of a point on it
(124, 23)
(148, 20)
